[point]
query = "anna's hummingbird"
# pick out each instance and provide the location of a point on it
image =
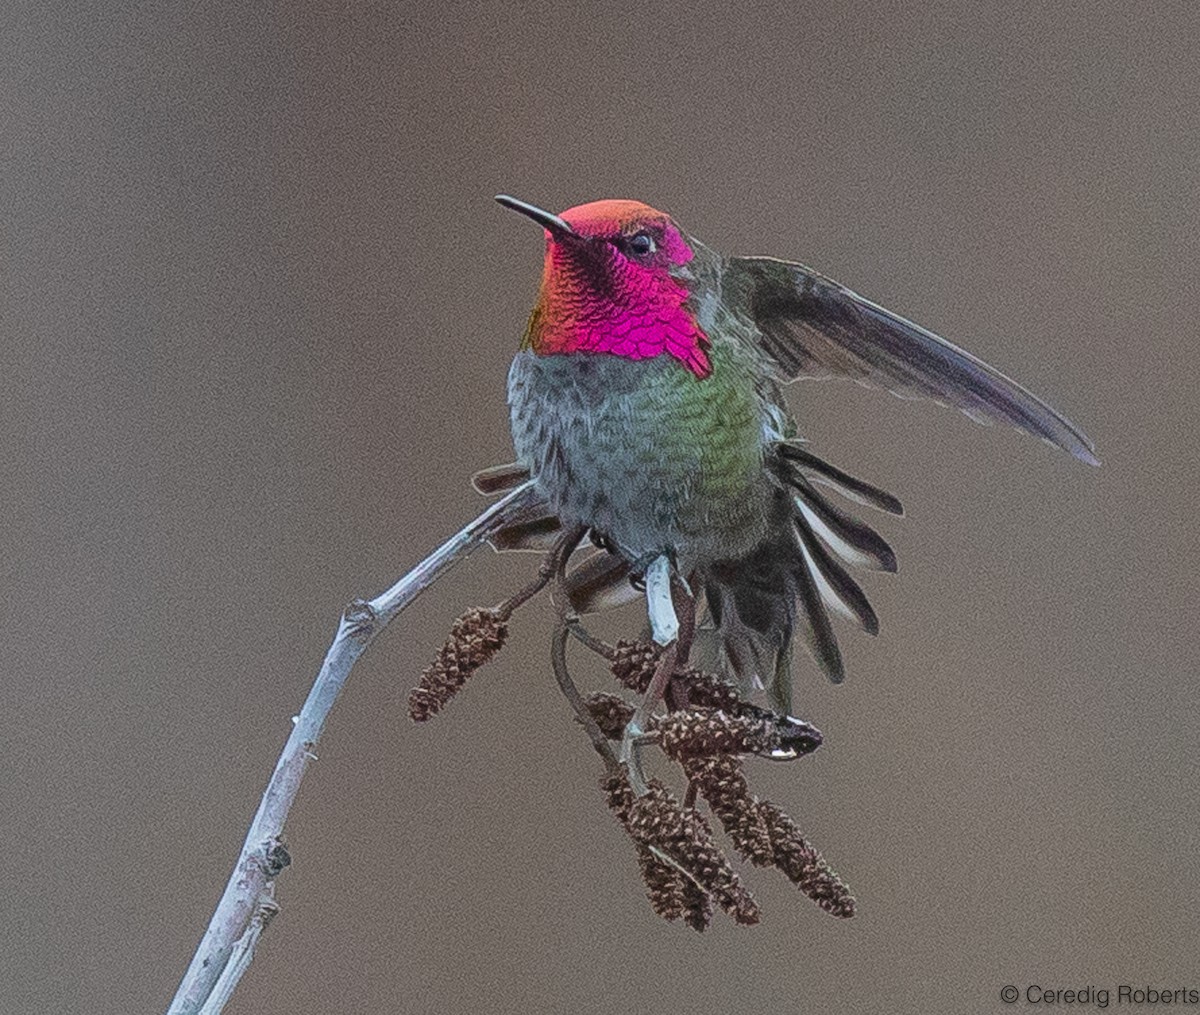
(646, 406)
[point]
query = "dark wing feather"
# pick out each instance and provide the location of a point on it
(533, 530)
(811, 326)
(601, 582)
(500, 478)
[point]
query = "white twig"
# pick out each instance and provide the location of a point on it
(243, 952)
(664, 624)
(248, 902)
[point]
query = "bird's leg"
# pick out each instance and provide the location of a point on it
(672, 609)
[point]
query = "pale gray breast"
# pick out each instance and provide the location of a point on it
(602, 436)
(573, 423)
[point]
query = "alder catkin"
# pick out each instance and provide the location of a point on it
(474, 639)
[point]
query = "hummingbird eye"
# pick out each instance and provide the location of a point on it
(642, 244)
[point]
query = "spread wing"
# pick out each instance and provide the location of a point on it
(811, 326)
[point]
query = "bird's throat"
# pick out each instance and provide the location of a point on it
(662, 326)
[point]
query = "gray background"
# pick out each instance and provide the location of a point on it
(257, 307)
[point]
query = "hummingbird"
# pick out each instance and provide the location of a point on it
(646, 406)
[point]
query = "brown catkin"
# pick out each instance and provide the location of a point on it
(804, 866)
(611, 712)
(684, 871)
(664, 885)
(474, 639)
(633, 664)
(618, 794)
(706, 690)
(709, 866)
(721, 782)
(707, 733)
(698, 911)
(656, 819)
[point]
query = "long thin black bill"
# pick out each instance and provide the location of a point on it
(545, 219)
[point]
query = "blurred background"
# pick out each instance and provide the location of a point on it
(257, 306)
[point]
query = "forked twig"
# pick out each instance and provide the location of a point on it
(556, 565)
(682, 608)
(587, 639)
(558, 658)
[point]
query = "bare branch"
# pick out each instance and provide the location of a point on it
(248, 900)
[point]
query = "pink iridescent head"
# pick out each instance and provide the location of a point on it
(612, 285)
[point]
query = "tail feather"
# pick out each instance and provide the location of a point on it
(790, 584)
(855, 542)
(758, 604)
(536, 532)
(601, 582)
(500, 478)
(840, 592)
(815, 626)
(845, 484)
(759, 660)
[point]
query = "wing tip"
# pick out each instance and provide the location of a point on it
(1074, 444)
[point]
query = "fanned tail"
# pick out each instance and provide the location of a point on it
(758, 604)
(791, 584)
